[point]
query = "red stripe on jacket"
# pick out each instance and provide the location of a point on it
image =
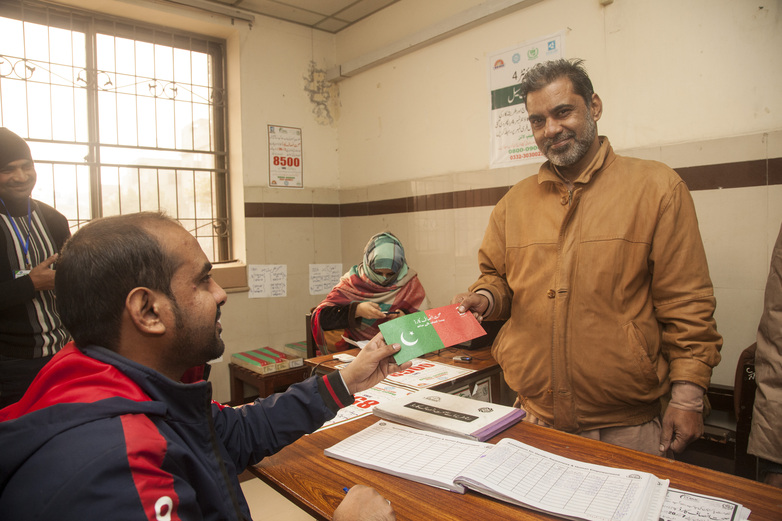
(146, 450)
(332, 392)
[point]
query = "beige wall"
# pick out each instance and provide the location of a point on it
(668, 72)
(689, 83)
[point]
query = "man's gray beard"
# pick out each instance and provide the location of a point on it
(577, 150)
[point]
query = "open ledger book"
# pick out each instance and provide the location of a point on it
(509, 471)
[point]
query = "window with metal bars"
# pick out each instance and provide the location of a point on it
(120, 116)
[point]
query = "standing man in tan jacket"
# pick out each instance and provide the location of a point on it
(765, 438)
(597, 265)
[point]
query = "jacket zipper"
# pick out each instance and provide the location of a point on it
(221, 463)
(560, 321)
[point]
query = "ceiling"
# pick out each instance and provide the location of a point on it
(326, 15)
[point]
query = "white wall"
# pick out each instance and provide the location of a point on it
(668, 72)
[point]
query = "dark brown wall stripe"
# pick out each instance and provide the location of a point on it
(727, 175)
(709, 177)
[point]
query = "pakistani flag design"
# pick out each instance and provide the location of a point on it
(426, 331)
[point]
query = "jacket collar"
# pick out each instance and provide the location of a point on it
(603, 158)
(185, 401)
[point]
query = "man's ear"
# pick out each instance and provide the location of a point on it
(596, 108)
(143, 306)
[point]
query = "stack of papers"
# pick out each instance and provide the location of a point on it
(449, 414)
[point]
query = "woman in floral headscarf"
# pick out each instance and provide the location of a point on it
(380, 288)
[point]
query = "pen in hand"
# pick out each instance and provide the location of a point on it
(347, 489)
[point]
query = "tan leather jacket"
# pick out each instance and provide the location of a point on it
(765, 438)
(606, 290)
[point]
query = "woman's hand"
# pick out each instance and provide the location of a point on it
(369, 310)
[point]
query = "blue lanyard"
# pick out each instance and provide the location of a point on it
(26, 245)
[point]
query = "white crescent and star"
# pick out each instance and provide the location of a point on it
(405, 342)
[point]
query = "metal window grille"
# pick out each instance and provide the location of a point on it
(121, 117)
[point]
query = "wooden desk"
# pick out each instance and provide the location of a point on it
(314, 482)
(483, 365)
(265, 383)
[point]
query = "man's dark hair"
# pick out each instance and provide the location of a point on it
(547, 72)
(101, 264)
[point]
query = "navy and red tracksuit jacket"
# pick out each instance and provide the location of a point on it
(98, 436)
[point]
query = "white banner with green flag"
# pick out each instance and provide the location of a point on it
(512, 142)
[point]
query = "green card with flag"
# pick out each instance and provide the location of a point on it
(426, 331)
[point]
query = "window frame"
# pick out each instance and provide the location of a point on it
(93, 23)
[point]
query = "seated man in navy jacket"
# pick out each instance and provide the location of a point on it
(108, 431)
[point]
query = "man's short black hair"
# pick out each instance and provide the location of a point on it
(101, 264)
(545, 73)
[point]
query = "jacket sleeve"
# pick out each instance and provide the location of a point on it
(682, 292)
(491, 260)
(253, 431)
(339, 317)
(765, 439)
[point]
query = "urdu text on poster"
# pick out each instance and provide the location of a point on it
(285, 157)
(512, 142)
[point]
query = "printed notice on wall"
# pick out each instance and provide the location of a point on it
(285, 157)
(267, 280)
(323, 277)
(512, 142)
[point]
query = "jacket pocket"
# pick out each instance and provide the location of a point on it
(639, 350)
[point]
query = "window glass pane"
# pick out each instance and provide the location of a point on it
(149, 189)
(40, 121)
(168, 192)
(13, 44)
(64, 113)
(66, 178)
(104, 53)
(145, 60)
(164, 63)
(107, 117)
(185, 194)
(44, 184)
(147, 135)
(203, 187)
(58, 152)
(166, 123)
(126, 57)
(182, 73)
(13, 104)
(109, 184)
(184, 118)
(36, 42)
(129, 190)
(61, 46)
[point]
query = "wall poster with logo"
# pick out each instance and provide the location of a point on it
(285, 161)
(512, 142)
